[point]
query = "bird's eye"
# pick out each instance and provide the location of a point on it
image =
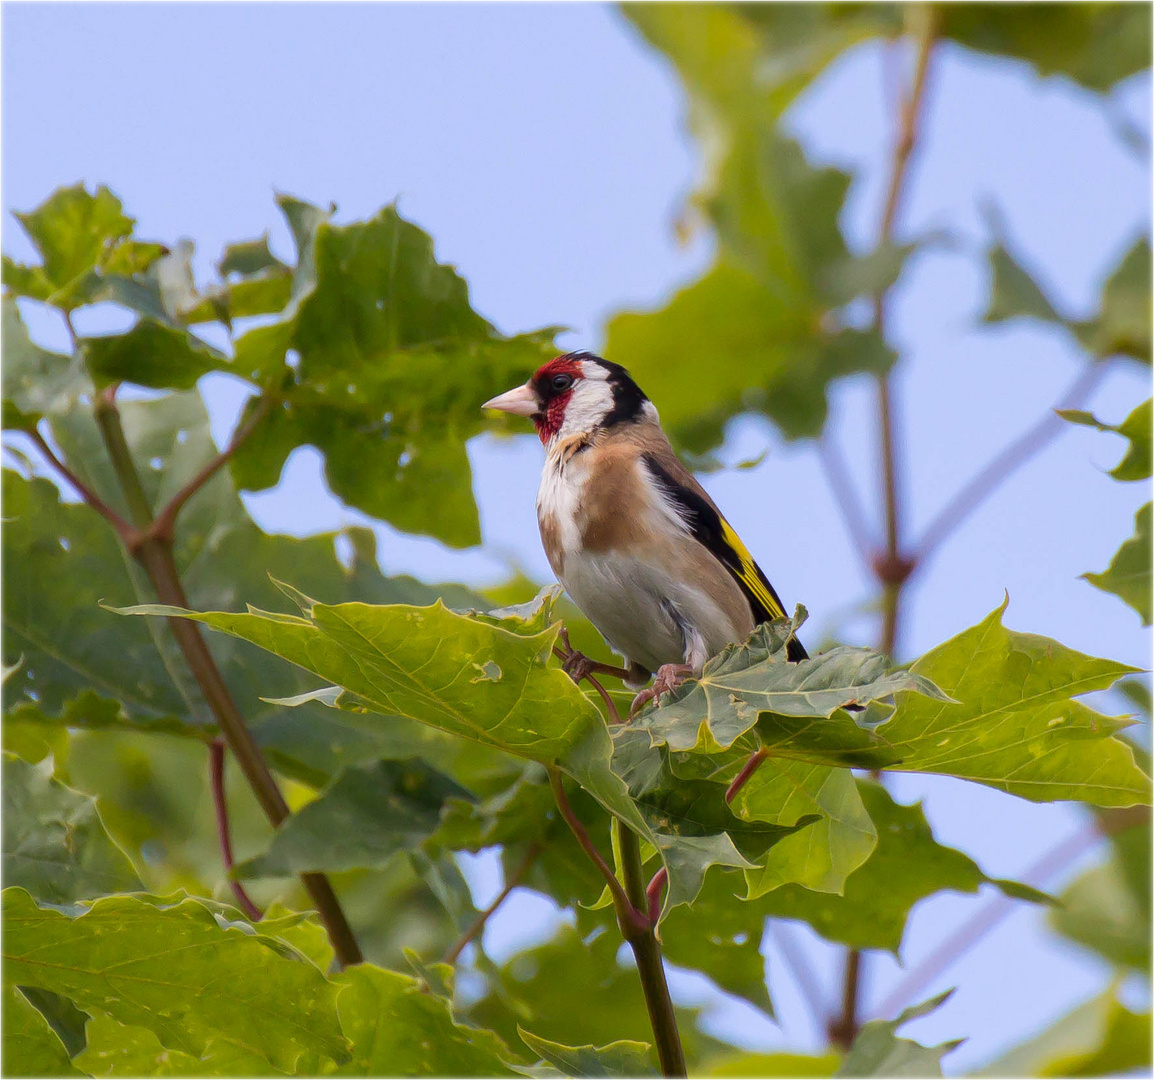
(562, 382)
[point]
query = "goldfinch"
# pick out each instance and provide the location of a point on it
(634, 539)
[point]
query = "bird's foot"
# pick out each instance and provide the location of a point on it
(578, 666)
(668, 678)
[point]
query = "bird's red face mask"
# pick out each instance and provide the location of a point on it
(546, 397)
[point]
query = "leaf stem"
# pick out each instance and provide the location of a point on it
(531, 854)
(1014, 456)
(647, 953)
(216, 750)
(123, 529)
(155, 554)
(747, 770)
(165, 521)
(627, 914)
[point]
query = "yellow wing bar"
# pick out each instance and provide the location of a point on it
(751, 574)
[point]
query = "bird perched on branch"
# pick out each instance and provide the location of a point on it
(635, 540)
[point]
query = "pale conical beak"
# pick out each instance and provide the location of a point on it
(520, 402)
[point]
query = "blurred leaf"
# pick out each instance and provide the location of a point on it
(618, 1059)
(361, 820)
(1096, 45)
(1099, 1038)
(31, 1047)
(759, 356)
(748, 680)
(1137, 427)
(396, 1030)
(55, 845)
(61, 1015)
(1128, 575)
(1123, 322)
(1013, 292)
(176, 971)
(71, 230)
(151, 354)
(798, 1066)
(877, 1051)
(596, 1002)
(1107, 908)
(907, 865)
(720, 936)
(391, 367)
(1017, 726)
(35, 381)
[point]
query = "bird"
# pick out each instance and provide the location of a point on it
(631, 535)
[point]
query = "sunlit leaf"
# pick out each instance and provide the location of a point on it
(176, 971)
(1017, 725)
(31, 1047)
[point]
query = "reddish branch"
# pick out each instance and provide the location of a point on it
(90, 498)
(630, 918)
(478, 923)
(216, 750)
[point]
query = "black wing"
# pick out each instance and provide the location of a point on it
(711, 529)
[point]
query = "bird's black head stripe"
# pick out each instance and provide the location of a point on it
(628, 397)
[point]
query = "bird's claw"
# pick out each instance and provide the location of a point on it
(577, 665)
(668, 678)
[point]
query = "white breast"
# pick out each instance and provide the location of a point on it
(559, 497)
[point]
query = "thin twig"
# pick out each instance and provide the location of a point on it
(627, 914)
(852, 514)
(802, 973)
(972, 931)
(123, 529)
(478, 924)
(1013, 457)
(216, 750)
(748, 769)
(165, 521)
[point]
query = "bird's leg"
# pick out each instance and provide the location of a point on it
(578, 666)
(668, 678)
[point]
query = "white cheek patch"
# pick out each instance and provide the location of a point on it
(591, 402)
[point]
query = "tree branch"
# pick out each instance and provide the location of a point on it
(123, 529)
(972, 931)
(156, 556)
(1013, 457)
(837, 476)
(891, 566)
(165, 522)
(478, 924)
(647, 953)
(219, 802)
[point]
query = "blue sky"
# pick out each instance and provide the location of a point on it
(543, 147)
